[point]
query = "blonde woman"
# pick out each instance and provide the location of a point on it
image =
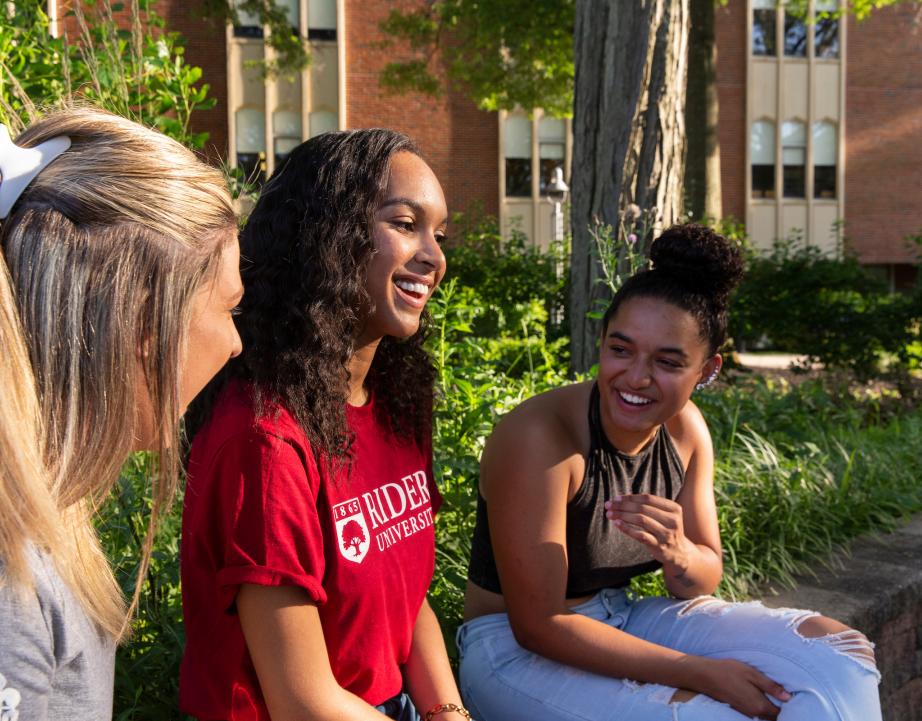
(121, 247)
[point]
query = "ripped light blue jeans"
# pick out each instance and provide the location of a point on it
(831, 678)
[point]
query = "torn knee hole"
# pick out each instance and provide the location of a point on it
(682, 695)
(840, 638)
(704, 604)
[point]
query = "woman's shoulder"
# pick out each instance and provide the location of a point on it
(241, 410)
(555, 418)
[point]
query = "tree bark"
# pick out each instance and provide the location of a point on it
(628, 134)
(702, 164)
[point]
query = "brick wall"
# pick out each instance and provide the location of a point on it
(206, 48)
(730, 32)
(883, 133)
(460, 142)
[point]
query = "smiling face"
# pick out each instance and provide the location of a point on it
(652, 356)
(408, 262)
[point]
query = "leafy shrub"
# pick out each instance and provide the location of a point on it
(798, 299)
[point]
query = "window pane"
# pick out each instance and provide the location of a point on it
(518, 177)
(795, 36)
(286, 124)
(323, 121)
(826, 38)
(762, 143)
(824, 144)
(824, 181)
(251, 143)
(291, 8)
(518, 137)
(552, 130)
(248, 25)
(763, 181)
(548, 166)
(824, 160)
(763, 31)
(794, 155)
(322, 14)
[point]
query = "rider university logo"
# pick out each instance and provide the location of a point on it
(351, 530)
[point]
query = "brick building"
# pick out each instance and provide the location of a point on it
(820, 123)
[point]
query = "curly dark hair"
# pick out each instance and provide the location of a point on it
(306, 249)
(694, 268)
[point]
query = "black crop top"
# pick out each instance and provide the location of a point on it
(599, 555)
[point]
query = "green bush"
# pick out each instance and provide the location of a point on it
(798, 299)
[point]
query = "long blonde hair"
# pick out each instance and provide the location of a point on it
(106, 249)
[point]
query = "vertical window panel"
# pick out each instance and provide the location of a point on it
(248, 25)
(762, 157)
(250, 129)
(794, 158)
(826, 30)
(764, 19)
(824, 160)
(795, 36)
(292, 10)
(517, 142)
(286, 128)
(552, 144)
(323, 121)
(321, 19)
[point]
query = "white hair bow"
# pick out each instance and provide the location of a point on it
(19, 166)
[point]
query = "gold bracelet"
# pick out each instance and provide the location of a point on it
(445, 708)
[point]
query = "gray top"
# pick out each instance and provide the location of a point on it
(598, 554)
(54, 662)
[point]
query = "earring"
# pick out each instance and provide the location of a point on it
(710, 379)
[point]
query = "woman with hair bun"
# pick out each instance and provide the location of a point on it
(584, 487)
(308, 543)
(122, 253)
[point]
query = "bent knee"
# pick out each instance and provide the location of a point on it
(840, 637)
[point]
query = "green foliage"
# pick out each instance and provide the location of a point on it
(505, 54)
(290, 54)
(507, 277)
(801, 300)
(139, 73)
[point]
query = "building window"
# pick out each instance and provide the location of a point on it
(286, 127)
(321, 20)
(323, 121)
(824, 160)
(518, 156)
(764, 18)
(251, 143)
(762, 156)
(826, 31)
(292, 10)
(794, 158)
(795, 36)
(552, 147)
(248, 25)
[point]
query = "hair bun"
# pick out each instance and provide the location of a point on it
(698, 258)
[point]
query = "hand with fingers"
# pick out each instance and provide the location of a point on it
(740, 685)
(655, 522)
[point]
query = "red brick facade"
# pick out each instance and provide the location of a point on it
(883, 134)
(730, 35)
(460, 142)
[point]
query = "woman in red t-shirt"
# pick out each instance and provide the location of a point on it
(308, 544)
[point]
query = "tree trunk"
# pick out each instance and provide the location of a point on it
(702, 164)
(628, 134)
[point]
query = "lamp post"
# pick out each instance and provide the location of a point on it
(557, 191)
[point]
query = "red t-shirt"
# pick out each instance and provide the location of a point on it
(258, 511)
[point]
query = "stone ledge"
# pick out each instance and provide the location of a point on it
(876, 588)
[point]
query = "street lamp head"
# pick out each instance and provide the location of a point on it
(557, 189)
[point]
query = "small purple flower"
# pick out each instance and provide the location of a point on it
(632, 239)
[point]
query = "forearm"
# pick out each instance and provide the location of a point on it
(695, 571)
(575, 640)
(427, 673)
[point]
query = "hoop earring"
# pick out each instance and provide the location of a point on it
(707, 381)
